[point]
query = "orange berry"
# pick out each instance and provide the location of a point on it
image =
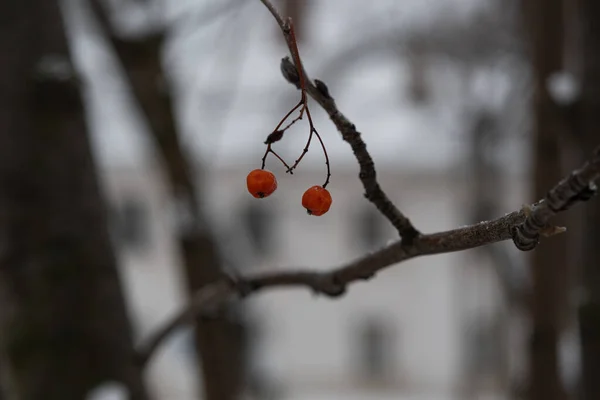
(316, 200)
(261, 183)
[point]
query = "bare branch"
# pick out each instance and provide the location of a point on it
(523, 227)
(368, 176)
(333, 283)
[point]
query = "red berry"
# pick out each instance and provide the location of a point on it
(316, 200)
(261, 183)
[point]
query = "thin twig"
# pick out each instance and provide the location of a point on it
(296, 54)
(288, 28)
(326, 158)
(292, 122)
(297, 75)
(334, 283)
(300, 104)
(270, 150)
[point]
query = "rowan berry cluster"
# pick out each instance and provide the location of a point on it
(262, 183)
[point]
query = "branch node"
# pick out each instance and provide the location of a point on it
(522, 242)
(367, 275)
(242, 287)
(331, 285)
(274, 137)
(323, 89)
(588, 192)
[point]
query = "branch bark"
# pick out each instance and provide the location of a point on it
(334, 283)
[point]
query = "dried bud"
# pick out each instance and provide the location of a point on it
(274, 137)
(322, 88)
(289, 71)
(588, 192)
(551, 230)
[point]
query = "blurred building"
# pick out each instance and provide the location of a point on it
(411, 330)
(414, 82)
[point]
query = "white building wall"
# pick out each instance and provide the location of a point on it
(307, 342)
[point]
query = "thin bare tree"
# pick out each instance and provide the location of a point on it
(220, 341)
(545, 23)
(64, 328)
(589, 309)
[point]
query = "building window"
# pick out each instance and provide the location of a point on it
(256, 220)
(130, 225)
(484, 347)
(370, 228)
(375, 349)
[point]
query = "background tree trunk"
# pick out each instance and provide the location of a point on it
(63, 322)
(589, 308)
(219, 342)
(544, 21)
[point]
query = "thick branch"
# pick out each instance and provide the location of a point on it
(368, 176)
(334, 283)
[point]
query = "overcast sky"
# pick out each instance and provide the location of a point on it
(225, 69)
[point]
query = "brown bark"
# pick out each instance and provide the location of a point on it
(549, 260)
(589, 309)
(64, 328)
(219, 342)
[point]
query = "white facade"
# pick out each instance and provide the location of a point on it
(310, 347)
(230, 94)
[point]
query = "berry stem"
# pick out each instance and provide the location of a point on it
(280, 158)
(300, 104)
(303, 105)
(297, 60)
(326, 159)
(270, 150)
(298, 118)
(312, 129)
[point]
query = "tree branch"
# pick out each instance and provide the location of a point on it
(368, 175)
(523, 227)
(334, 283)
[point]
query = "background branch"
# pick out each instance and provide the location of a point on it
(334, 283)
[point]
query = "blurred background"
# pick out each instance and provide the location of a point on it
(127, 128)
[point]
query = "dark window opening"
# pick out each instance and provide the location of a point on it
(484, 347)
(375, 349)
(370, 228)
(131, 225)
(257, 224)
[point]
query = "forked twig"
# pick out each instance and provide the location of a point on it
(277, 133)
(295, 73)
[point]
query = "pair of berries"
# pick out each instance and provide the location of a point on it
(262, 183)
